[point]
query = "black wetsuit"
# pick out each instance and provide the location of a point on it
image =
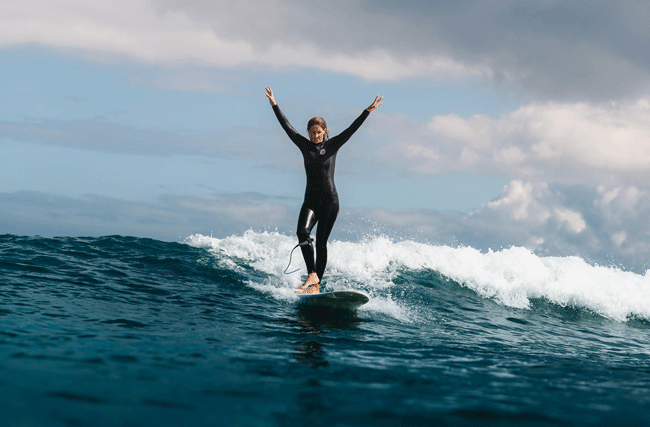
(321, 199)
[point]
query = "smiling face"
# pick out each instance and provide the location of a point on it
(316, 134)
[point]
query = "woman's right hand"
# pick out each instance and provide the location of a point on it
(269, 95)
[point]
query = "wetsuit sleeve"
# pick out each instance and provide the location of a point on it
(297, 139)
(342, 138)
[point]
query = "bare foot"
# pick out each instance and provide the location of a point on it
(313, 289)
(312, 279)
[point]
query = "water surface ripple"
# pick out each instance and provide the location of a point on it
(123, 331)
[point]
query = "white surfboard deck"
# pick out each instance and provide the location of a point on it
(338, 299)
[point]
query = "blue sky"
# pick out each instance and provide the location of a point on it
(145, 123)
(504, 123)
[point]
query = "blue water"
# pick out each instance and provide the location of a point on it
(128, 331)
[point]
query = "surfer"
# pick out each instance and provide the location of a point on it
(321, 202)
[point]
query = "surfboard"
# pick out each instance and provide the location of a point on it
(348, 300)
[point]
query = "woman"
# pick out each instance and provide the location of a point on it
(321, 199)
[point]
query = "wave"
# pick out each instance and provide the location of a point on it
(378, 265)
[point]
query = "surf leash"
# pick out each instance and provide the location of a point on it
(306, 242)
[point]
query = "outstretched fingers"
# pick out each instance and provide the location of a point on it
(269, 95)
(376, 103)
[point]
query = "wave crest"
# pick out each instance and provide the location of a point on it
(511, 277)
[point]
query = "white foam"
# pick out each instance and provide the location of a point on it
(510, 276)
(266, 252)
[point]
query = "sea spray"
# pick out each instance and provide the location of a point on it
(512, 276)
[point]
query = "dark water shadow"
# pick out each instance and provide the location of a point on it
(322, 319)
(311, 321)
(311, 353)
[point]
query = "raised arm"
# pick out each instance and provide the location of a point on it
(343, 137)
(295, 137)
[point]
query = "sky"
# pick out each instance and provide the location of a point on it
(504, 123)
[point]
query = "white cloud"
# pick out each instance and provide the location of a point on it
(207, 34)
(577, 50)
(573, 220)
(550, 219)
(556, 142)
(625, 198)
(532, 204)
(570, 225)
(518, 199)
(619, 238)
(124, 28)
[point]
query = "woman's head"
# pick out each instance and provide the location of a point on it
(317, 129)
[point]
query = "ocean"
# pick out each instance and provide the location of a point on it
(125, 331)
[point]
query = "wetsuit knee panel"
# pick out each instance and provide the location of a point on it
(303, 235)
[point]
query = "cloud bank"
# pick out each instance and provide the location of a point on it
(606, 226)
(172, 218)
(571, 143)
(227, 35)
(581, 50)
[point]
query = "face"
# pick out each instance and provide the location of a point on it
(316, 134)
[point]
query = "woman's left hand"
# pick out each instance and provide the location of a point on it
(376, 103)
